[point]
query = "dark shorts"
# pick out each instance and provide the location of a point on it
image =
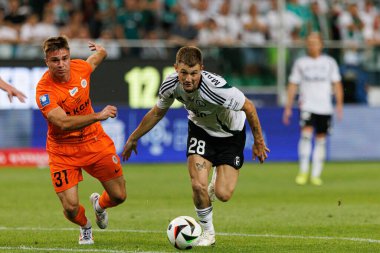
(321, 123)
(217, 150)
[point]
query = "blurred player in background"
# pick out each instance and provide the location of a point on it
(318, 79)
(12, 91)
(216, 135)
(76, 139)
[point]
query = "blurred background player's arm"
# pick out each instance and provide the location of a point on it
(96, 58)
(12, 91)
(292, 91)
(338, 92)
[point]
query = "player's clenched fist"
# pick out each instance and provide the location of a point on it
(109, 111)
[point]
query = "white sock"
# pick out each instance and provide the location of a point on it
(205, 219)
(319, 156)
(304, 151)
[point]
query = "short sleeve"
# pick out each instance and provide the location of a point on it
(295, 75)
(335, 74)
(82, 65)
(165, 102)
(166, 92)
(216, 90)
(236, 100)
(46, 101)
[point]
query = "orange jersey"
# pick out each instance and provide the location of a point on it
(74, 98)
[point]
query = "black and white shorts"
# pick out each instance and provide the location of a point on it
(321, 123)
(217, 150)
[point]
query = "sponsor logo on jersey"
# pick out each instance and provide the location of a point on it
(83, 83)
(217, 80)
(237, 161)
(44, 99)
(233, 104)
(73, 91)
(80, 108)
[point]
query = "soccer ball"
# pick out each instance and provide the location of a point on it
(184, 232)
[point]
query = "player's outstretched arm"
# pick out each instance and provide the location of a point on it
(12, 91)
(96, 58)
(59, 118)
(339, 97)
(147, 123)
(292, 91)
(259, 149)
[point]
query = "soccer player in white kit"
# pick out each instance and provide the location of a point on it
(318, 78)
(216, 133)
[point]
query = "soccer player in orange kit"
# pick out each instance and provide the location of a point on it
(76, 139)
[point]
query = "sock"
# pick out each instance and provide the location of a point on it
(98, 208)
(80, 218)
(104, 202)
(205, 219)
(88, 224)
(304, 151)
(319, 155)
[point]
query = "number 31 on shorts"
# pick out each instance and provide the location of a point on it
(196, 146)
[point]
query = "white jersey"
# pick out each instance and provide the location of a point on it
(215, 106)
(315, 77)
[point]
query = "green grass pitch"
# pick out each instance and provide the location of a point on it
(268, 212)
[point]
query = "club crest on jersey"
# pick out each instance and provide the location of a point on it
(237, 161)
(73, 91)
(114, 159)
(83, 83)
(44, 99)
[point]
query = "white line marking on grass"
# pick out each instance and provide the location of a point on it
(354, 239)
(73, 250)
(305, 237)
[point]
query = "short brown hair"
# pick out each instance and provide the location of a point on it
(55, 43)
(190, 56)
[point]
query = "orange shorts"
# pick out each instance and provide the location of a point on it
(97, 157)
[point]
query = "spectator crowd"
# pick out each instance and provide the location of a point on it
(182, 22)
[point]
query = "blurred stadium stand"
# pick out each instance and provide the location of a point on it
(251, 43)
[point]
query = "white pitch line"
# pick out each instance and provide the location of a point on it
(354, 239)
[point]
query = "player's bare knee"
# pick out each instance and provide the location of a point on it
(223, 195)
(71, 210)
(119, 198)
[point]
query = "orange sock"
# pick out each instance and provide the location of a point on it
(105, 201)
(80, 218)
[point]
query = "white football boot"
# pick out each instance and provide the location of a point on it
(211, 186)
(206, 239)
(101, 217)
(85, 236)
